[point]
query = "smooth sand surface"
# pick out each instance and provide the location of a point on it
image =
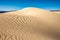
(57, 12)
(30, 24)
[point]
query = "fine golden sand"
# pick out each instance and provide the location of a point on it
(30, 24)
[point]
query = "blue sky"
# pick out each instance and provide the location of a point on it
(7, 5)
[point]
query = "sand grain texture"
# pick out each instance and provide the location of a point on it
(30, 24)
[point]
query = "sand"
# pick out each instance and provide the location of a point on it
(30, 24)
(57, 12)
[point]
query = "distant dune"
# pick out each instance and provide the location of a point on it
(30, 24)
(7, 11)
(56, 11)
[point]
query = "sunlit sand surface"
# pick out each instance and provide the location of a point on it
(30, 24)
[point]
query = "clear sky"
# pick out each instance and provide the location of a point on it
(6, 5)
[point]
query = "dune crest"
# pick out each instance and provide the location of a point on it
(30, 11)
(30, 24)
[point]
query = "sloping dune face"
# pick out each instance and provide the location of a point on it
(30, 24)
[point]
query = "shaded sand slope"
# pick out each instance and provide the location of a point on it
(30, 24)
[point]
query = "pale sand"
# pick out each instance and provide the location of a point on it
(30, 24)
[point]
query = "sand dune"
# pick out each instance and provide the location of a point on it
(30, 24)
(57, 12)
